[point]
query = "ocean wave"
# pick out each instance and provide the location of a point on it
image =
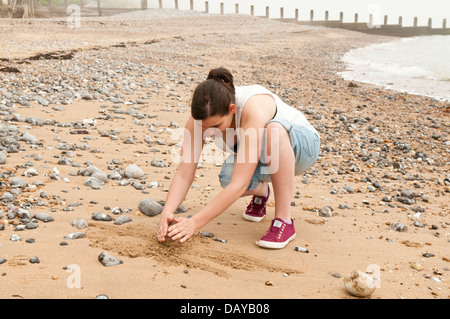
(419, 65)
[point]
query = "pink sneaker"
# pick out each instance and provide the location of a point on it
(278, 235)
(256, 210)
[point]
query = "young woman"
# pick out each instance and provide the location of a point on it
(270, 141)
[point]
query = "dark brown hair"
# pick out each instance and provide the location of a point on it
(214, 95)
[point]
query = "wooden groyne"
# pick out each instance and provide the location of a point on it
(370, 27)
(20, 10)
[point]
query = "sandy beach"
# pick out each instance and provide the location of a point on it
(110, 95)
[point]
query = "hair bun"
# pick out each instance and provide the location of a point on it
(221, 74)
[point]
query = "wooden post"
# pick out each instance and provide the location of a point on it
(444, 24)
(176, 4)
(296, 14)
(311, 15)
(400, 21)
(415, 22)
(326, 15)
(430, 22)
(385, 20)
(222, 9)
(341, 16)
(192, 4)
(144, 4)
(267, 12)
(370, 20)
(99, 8)
(252, 10)
(281, 13)
(206, 6)
(356, 18)
(160, 4)
(49, 3)
(236, 8)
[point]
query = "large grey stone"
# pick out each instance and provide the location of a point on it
(133, 171)
(150, 207)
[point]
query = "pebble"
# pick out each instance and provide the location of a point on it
(34, 260)
(76, 235)
(15, 237)
(158, 162)
(79, 223)
(101, 217)
(45, 217)
(416, 266)
(359, 284)
(108, 260)
(133, 171)
(3, 158)
(150, 207)
(326, 211)
(122, 219)
(399, 227)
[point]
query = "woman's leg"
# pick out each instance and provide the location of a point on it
(281, 167)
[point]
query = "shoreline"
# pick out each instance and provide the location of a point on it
(374, 153)
(359, 72)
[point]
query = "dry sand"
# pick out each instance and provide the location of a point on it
(300, 64)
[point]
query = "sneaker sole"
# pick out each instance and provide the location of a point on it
(253, 218)
(275, 245)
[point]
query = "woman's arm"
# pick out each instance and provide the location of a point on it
(183, 178)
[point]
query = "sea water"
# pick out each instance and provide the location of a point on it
(417, 65)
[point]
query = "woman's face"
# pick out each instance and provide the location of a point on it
(217, 125)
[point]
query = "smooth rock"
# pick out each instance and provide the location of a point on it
(399, 227)
(2, 158)
(326, 212)
(101, 217)
(45, 217)
(133, 171)
(122, 219)
(150, 207)
(18, 182)
(359, 284)
(108, 260)
(158, 162)
(94, 183)
(76, 235)
(79, 223)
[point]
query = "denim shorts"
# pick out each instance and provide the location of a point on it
(306, 146)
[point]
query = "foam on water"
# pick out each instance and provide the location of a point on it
(418, 65)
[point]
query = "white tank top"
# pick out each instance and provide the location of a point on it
(284, 111)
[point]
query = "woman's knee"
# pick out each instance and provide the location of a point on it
(225, 174)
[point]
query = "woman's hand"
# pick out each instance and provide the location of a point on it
(166, 219)
(183, 229)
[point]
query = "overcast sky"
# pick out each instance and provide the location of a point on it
(408, 9)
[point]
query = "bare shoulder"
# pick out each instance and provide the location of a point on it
(261, 106)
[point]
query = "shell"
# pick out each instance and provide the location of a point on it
(359, 284)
